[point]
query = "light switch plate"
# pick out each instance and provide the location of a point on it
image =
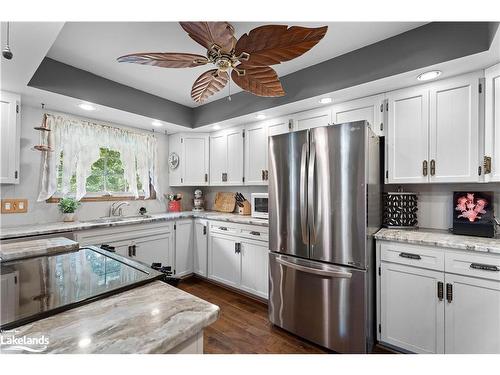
(14, 206)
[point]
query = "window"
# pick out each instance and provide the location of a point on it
(106, 178)
(93, 161)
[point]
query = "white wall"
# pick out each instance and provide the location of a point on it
(42, 212)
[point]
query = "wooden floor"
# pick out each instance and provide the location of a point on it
(243, 326)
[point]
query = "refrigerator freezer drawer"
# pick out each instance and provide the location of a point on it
(325, 304)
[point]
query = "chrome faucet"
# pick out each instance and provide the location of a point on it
(116, 208)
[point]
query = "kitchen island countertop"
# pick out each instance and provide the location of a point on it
(153, 318)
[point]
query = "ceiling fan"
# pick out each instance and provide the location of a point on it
(248, 58)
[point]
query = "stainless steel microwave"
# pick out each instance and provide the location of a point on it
(260, 205)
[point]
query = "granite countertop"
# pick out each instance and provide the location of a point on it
(23, 249)
(441, 238)
(60, 227)
(153, 318)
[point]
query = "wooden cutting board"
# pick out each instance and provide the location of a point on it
(224, 202)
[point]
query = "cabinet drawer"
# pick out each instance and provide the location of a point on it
(413, 255)
(223, 228)
(255, 234)
(475, 265)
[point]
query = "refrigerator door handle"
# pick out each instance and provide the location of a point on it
(303, 195)
(310, 193)
(315, 271)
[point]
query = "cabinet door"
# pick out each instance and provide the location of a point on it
(407, 135)
(121, 247)
(223, 260)
(195, 159)
(256, 154)
(10, 137)
(254, 267)
(454, 130)
(472, 315)
(279, 125)
(411, 314)
(155, 249)
(234, 159)
(200, 247)
(175, 146)
(367, 109)
(218, 158)
(313, 119)
(183, 247)
(492, 121)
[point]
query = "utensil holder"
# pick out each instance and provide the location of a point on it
(174, 206)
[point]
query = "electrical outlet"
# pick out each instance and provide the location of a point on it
(14, 206)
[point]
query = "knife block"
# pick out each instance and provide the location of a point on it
(246, 209)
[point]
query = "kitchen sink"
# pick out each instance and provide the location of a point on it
(114, 219)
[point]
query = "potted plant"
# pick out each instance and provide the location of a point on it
(68, 207)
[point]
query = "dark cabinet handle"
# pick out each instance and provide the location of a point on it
(237, 247)
(449, 292)
(424, 168)
(410, 256)
(263, 175)
(485, 267)
(433, 167)
(440, 290)
(255, 233)
(130, 251)
(223, 228)
(204, 230)
(266, 175)
(133, 250)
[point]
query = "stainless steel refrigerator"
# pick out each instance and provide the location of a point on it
(324, 208)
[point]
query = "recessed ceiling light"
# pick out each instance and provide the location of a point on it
(86, 106)
(325, 100)
(429, 75)
(216, 127)
(156, 123)
(260, 116)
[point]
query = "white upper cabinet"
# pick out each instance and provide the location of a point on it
(407, 136)
(313, 118)
(192, 149)
(433, 132)
(492, 123)
(454, 130)
(196, 159)
(368, 109)
(10, 137)
(226, 157)
(256, 148)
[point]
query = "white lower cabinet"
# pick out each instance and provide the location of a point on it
(146, 243)
(224, 260)
(453, 308)
(237, 259)
(472, 316)
(200, 247)
(254, 267)
(183, 247)
(412, 317)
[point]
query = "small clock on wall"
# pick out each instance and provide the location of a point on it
(173, 160)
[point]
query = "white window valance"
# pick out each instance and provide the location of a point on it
(80, 142)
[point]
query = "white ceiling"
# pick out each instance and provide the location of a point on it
(94, 47)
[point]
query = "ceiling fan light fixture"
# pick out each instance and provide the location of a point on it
(260, 116)
(156, 123)
(216, 127)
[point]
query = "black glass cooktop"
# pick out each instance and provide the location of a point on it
(35, 288)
